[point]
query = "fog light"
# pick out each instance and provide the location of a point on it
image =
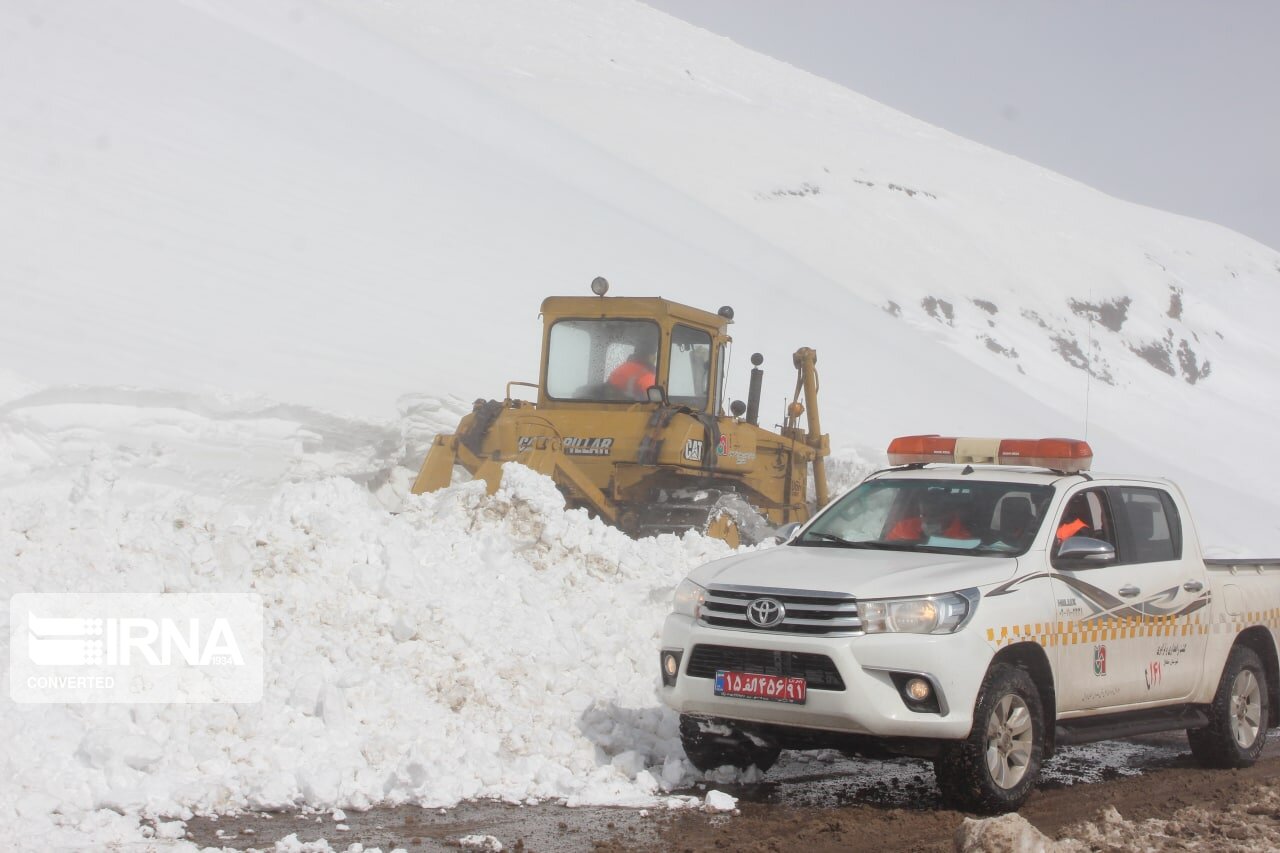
(670, 667)
(918, 690)
(920, 694)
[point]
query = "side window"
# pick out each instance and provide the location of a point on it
(690, 367)
(1087, 513)
(1148, 525)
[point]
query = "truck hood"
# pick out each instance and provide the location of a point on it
(865, 574)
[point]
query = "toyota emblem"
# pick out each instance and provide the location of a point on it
(765, 612)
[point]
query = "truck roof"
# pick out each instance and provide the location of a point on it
(1007, 474)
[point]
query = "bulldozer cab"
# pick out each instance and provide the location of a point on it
(627, 350)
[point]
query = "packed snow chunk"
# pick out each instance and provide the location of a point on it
(487, 843)
(1010, 833)
(291, 844)
(719, 801)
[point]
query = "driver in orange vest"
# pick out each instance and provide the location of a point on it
(936, 518)
(636, 375)
(1070, 528)
(1073, 519)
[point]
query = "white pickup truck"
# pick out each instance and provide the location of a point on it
(980, 604)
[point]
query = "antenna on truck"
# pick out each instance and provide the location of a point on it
(1088, 365)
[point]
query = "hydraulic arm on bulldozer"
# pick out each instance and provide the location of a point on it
(630, 423)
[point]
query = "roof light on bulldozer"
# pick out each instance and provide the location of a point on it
(1058, 454)
(599, 285)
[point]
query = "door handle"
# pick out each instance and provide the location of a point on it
(1193, 586)
(1129, 591)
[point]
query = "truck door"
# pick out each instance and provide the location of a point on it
(1174, 588)
(1127, 623)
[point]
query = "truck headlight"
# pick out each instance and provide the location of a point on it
(688, 598)
(933, 614)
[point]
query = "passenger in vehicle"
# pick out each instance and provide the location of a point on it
(937, 517)
(1073, 519)
(635, 376)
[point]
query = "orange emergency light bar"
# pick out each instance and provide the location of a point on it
(1059, 454)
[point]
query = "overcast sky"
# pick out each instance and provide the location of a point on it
(1170, 103)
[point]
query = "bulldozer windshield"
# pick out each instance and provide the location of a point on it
(602, 359)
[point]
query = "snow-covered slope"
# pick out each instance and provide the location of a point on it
(327, 204)
(256, 252)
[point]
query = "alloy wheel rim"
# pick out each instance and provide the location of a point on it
(1009, 741)
(1246, 708)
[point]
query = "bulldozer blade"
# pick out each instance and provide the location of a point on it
(437, 470)
(724, 528)
(491, 472)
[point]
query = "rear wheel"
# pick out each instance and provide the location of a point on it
(714, 743)
(1238, 715)
(995, 768)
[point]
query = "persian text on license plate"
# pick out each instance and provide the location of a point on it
(770, 688)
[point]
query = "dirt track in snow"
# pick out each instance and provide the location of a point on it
(824, 803)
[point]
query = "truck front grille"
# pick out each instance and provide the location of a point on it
(828, 614)
(818, 671)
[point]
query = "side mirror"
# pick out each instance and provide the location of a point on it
(657, 394)
(1086, 549)
(784, 533)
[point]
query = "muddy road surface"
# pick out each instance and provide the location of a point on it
(813, 802)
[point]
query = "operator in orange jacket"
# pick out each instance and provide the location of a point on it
(636, 375)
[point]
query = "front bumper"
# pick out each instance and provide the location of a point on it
(870, 704)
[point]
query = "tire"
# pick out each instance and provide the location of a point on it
(1238, 715)
(713, 743)
(995, 769)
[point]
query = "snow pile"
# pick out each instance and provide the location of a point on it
(467, 646)
(1010, 833)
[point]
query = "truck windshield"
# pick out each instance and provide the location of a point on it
(602, 360)
(943, 516)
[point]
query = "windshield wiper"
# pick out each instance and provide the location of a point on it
(831, 537)
(999, 552)
(842, 542)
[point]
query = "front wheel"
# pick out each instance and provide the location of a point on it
(714, 743)
(1238, 715)
(994, 769)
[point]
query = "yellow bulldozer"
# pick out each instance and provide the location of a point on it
(630, 423)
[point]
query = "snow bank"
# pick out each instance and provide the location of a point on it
(467, 646)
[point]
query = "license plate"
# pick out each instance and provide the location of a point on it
(770, 688)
